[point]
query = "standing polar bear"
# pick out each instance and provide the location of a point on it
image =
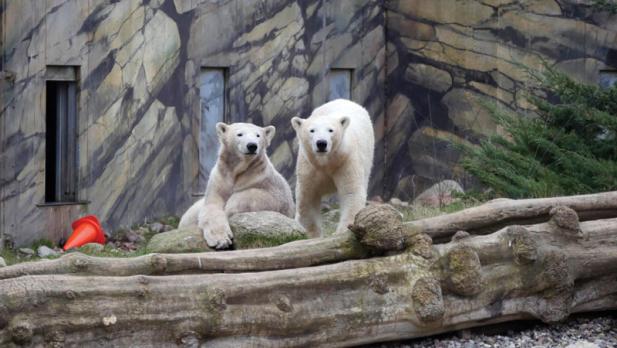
(242, 180)
(336, 156)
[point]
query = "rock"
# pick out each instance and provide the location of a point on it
(466, 110)
(157, 227)
(582, 344)
(188, 239)
(45, 251)
(167, 228)
(26, 252)
(439, 194)
(133, 237)
(264, 229)
(428, 76)
(400, 121)
(91, 248)
(2, 262)
(395, 201)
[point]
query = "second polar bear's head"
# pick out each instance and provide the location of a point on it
(321, 135)
(244, 139)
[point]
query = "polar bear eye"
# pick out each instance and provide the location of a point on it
(239, 134)
(312, 131)
(330, 130)
(258, 135)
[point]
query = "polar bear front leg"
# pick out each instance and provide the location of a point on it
(213, 223)
(311, 185)
(352, 194)
(212, 219)
(308, 209)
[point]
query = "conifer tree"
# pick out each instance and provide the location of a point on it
(570, 147)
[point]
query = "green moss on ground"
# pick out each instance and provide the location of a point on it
(253, 241)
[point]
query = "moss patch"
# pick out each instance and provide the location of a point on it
(254, 240)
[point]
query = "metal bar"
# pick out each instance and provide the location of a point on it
(61, 107)
(71, 143)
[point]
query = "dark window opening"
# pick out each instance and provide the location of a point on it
(213, 108)
(339, 84)
(61, 142)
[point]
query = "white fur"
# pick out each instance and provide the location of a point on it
(344, 168)
(239, 182)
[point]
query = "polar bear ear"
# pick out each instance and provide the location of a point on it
(270, 131)
(296, 123)
(221, 129)
(344, 121)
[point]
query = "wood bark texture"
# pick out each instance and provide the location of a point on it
(383, 280)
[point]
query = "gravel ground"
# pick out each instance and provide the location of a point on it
(583, 331)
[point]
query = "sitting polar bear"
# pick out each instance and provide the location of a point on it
(242, 180)
(335, 156)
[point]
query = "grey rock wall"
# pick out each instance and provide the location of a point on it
(138, 64)
(422, 69)
(446, 58)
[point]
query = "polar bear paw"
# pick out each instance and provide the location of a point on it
(218, 238)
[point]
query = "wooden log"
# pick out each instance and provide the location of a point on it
(486, 218)
(544, 271)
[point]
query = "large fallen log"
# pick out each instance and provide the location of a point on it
(483, 219)
(412, 288)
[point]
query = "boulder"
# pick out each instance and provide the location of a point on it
(26, 252)
(251, 230)
(439, 194)
(157, 227)
(264, 229)
(45, 251)
(189, 239)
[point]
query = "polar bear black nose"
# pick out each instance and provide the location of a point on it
(322, 145)
(252, 147)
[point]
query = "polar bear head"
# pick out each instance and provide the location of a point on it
(244, 139)
(321, 135)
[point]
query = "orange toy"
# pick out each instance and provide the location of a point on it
(85, 230)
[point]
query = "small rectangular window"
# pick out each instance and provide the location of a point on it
(213, 100)
(608, 78)
(339, 84)
(61, 135)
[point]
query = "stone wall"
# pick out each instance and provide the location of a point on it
(138, 63)
(446, 58)
(422, 68)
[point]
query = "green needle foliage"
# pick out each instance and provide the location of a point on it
(569, 148)
(609, 6)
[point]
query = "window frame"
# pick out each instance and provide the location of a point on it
(350, 72)
(61, 113)
(199, 185)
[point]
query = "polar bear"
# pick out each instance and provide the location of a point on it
(242, 180)
(335, 156)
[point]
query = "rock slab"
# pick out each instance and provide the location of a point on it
(264, 229)
(251, 230)
(440, 194)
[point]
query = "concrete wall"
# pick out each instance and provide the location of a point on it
(421, 67)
